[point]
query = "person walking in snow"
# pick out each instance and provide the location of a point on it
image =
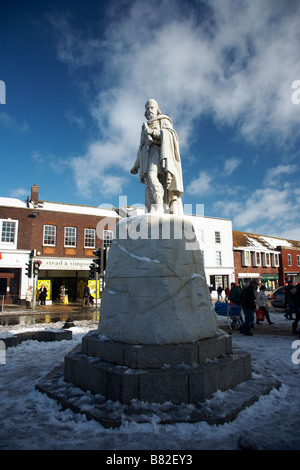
(262, 302)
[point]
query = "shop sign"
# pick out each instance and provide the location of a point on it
(65, 264)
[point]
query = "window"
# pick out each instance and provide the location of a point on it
(49, 235)
(275, 259)
(298, 260)
(290, 260)
(89, 238)
(107, 237)
(266, 259)
(8, 232)
(246, 259)
(70, 236)
(256, 259)
(218, 258)
(217, 237)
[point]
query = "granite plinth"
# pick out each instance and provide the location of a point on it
(184, 373)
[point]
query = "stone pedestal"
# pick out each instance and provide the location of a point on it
(155, 285)
(184, 373)
(157, 339)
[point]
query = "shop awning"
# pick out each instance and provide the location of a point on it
(265, 277)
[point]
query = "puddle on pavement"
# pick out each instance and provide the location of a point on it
(35, 319)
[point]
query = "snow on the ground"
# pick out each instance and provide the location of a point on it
(32, 420)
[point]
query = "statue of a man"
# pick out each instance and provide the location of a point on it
(158, 160)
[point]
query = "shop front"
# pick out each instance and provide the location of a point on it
(292, 276)
(270, 281)
(244, 279)
(64, 278)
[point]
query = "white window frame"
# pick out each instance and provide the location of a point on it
(108, 236)
(9, 244)
(275, 260)
(289, 259)
(266, 259)
(218, 258)
(67, 237)
(46, 243)
(256, 259)
(298, 260)
(246, 258)
(87, 236)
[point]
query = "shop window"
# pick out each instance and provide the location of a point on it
(49, 235)
(107, 237)
(89, 238)
(70, 236)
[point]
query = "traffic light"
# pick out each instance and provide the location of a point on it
(92, 271)
(100, 261)
(36, 268)
(97, 261)
(29, 269)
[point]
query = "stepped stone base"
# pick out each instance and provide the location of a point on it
(42, 335)
(183, 373)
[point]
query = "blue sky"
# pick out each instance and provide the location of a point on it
(78, 74)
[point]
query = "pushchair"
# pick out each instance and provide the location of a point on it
(231, 311)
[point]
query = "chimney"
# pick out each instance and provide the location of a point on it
(34, 194)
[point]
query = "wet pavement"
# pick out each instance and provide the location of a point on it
(47, 314)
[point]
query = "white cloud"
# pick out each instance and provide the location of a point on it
(232, 60)
(275, 175)
(11, 123)
(231, 164)
(18, 193)
(200, 186)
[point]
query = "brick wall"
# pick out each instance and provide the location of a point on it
(239, 268)
(31, 229)
(285, 267)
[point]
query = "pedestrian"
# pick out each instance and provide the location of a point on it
(28, 297)
(248, 305)
(235, 294)
(219, 291)
(289, 294)
(262, 302)
(297, 308)
(42, 294)
(227, 294)
(86, 297)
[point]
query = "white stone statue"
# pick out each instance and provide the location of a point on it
(158, 160)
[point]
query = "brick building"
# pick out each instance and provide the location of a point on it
(62, 237)
(268, 260)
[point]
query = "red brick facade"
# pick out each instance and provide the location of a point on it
(59, 262)
(290, 265)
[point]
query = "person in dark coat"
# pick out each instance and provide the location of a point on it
(297, 308)
(289, 300)
(86, 297)
(42, 294)
(249, 306)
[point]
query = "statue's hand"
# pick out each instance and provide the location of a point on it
(168, 179)
(134, 170)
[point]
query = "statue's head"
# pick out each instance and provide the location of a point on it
(151, 109)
